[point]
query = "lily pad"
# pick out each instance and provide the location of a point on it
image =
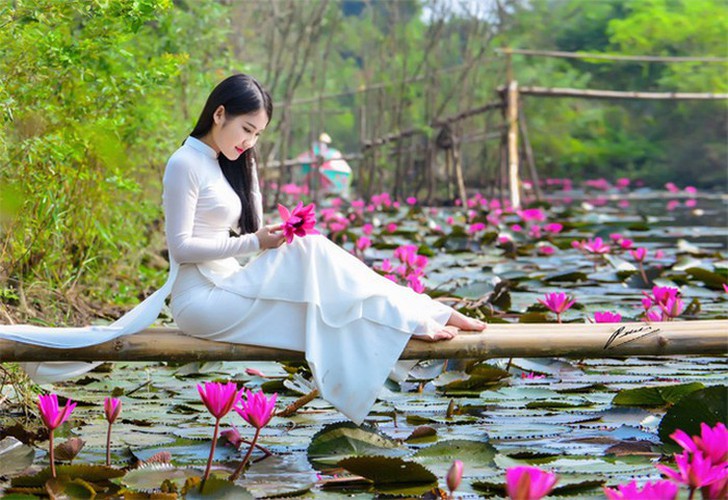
(388, 470)
(15, 456)
(149, 478)
(345, 439)
(702, 406)
(655, 396)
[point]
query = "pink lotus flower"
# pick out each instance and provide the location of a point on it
(531, 376)
(596, 246)
(694, 470)
(529, 483)
(546, 250)
(112, 409)
(298, 222)
(725, 287)
(257, 410)
(639, 254)
(454, 476)
(362, 243)
(663, 490)
(622, 182)
(53, 417)
(712, 442)
(254, 373)
(232, 436)
(367, 229)
(532, 214)
(670, 186)
(607, 317)
(474, 228)
(411, 200)
(553, 227)
(516, 228)
(557, 302)
(219, 400)
(391, 227)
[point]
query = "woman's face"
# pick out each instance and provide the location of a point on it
(233, 135)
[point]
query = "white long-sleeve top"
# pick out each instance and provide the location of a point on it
(201, 208)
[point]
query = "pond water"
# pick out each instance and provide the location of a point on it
(558, 414)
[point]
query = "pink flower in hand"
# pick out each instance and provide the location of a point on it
(529, 483)
(52, 416)
(664, 490)
(256, 409)
(298, 222)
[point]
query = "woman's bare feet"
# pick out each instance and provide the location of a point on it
(444, 333)
(463, 322)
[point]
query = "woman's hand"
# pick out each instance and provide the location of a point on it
(270, 236)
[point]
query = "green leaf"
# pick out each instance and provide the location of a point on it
(91, 473)
(149, 478)
(655, 396)
(388, 470)
(702, 406)
(15, 457)
(344, 439)
(711, 279)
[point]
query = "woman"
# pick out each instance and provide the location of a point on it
(309, 296)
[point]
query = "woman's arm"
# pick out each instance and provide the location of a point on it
(181, 192)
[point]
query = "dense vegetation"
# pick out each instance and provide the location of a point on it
(95, 95)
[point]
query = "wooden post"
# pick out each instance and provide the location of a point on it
(459, 173)
(514, 182)
(528, 152)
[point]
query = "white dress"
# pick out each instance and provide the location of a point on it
(309, 296)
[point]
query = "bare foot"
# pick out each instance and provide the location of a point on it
(444, 333)
(463, 322)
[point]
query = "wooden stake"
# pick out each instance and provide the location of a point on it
(514, 181)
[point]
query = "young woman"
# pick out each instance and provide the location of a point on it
(309, 295)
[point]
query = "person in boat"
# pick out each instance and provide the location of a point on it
(309, 295)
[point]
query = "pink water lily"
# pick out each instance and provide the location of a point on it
(53, 417)
(112, 409)
(219, 400)
(298, 222)
(257, 410)
(663, 490)
(607, 317)
(529, 483)
(694, 470)
(639, 254)
(557, 302)
(712, 442)
(596, 246)
(454, 476)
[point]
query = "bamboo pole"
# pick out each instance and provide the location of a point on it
(528, 153)
(514, 182)
(582, 340)
(610, 57)
(618, 94)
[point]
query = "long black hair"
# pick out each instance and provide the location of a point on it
(239, 94)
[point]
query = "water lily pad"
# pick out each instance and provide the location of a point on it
(344, 439)
(655, 396)
(280, 475)
(477, 456)
(92, 473)
(388, 470)
(219, 489)
(702, 406)
(149, 478)
(15, 456)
